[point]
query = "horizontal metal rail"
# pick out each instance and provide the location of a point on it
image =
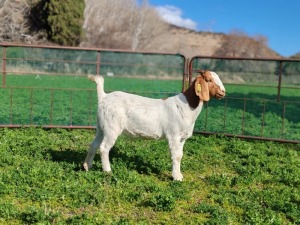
(248, 137)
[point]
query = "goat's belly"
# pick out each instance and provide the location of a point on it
(146, 132)
(141, 135)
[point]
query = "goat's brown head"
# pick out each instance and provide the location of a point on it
(206, 85)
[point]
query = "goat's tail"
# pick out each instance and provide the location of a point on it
(99, 80)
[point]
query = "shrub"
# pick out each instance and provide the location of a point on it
(65, 19)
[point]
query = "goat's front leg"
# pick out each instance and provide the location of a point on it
(176, 150)
(92, 151)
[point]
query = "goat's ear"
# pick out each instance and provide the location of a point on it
(201, 89)
(201, 72)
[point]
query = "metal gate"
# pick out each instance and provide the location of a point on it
(262, 102)
(47, 86)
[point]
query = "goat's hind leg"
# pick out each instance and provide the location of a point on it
(92, 151)
(106, 145)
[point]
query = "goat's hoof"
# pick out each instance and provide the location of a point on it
(85, 166)
(178, 177)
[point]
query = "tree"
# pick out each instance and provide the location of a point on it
(64, 21)
(296, 56)
(30, 21)
(122, 24)
(14, 26)
(239, 44)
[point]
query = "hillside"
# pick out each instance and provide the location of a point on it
(190, 43)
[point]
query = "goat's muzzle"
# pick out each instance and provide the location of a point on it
(220, 94)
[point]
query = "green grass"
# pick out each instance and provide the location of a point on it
(71, 100)
(226, 181)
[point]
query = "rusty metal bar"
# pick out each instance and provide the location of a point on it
(225, 110)
(190, 71)
(249, 137)
(283, 117)
(8, 44)
(91, 107)
(83, 89)
(134, 65)
(263, 118)
(11, 106)
(243, 118)
(186, 76)
(98, 63)
(47, 126)
(44, 73)
(245, 58)
(279, 81)
(31, 106)
(85, 62)
(206, 115)
(71, 109)
(4, 67)
(45, 88)
(51, 106)
(49, 60)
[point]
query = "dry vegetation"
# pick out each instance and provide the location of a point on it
(129, 26)
(15, 22)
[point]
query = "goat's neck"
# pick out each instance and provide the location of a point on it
(191, 97)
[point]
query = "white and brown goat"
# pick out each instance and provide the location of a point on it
(172, 118)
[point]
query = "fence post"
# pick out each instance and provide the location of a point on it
(185, 80)
(191, 70)
(279, 81)
(4, 66)
(98, 63)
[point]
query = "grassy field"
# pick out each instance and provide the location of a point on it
(226, 181)
(71, 100)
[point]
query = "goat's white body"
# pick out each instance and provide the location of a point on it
(118, 112)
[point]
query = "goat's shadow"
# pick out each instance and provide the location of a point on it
(133, 162)
(68, 156)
